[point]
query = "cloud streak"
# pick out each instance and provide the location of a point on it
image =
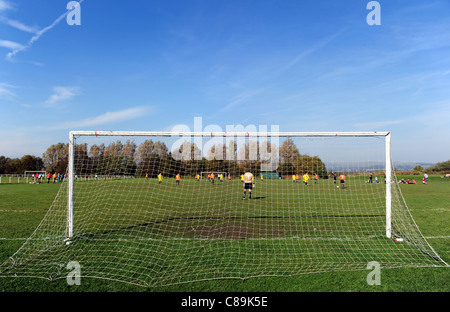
(11, 45)
(5, 5)
(38, 35)
(378, 124)
(5, 91)
(302, 55)
(240, 98)
(62, 94)
(19, 25)
(106, 118)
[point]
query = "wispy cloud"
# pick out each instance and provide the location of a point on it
(303, 54)
(106, 118)
(259, 85)
(5, 91)
(240, 98)
(62, 94)
(433, 115)
(19, 25)
(378, 124)
(5, 5)
(38, 35)
(11, 45)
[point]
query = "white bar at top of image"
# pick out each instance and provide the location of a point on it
(229, 134)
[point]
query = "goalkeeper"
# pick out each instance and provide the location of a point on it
(249, 181)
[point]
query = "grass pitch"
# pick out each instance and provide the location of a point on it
(23, 206)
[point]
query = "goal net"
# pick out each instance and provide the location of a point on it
(138, 214)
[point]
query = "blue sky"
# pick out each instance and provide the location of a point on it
(302, 65)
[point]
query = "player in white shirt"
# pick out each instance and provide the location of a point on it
(249, 181)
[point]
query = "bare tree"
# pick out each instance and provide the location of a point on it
(289, 152)
(54, 155)
(160, 148)
(128, 149)
(145, 149)
(96, 150)
(113, 149)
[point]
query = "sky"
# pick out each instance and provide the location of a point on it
(303, 65)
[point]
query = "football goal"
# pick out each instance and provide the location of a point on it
(30, 173)
(146, 219)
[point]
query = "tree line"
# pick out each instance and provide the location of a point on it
(20, 165)
(439, 167)
(153, 157)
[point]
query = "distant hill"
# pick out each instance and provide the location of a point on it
(368, 167)
(410, 166)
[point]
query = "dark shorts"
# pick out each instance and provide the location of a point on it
(342, 181)
(247, 186)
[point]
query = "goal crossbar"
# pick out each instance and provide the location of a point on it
(229, 134)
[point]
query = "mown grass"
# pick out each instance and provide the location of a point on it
(22, 207)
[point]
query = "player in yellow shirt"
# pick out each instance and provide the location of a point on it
(294, 178)
(160, 178)
(249, 181)
(242, 178)
(306, 178)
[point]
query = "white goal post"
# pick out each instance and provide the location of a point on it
(73, 134)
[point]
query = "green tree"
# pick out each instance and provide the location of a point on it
(32, 163)
(5, 165)
(441, 166)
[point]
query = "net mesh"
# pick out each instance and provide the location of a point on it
(136, 222)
